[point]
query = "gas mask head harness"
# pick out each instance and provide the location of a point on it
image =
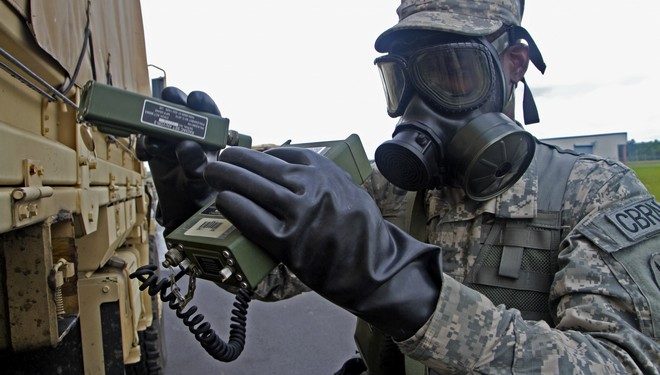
(450, 94)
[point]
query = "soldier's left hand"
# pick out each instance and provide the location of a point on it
(177, 166)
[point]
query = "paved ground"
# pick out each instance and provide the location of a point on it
(304, 335)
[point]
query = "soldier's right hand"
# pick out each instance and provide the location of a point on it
(177, 167)
(307, 213)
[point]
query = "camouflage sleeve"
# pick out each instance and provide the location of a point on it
(390, 199)
(606, 295)
(279, 284)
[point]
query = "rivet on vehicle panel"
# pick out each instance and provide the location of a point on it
(18, 194)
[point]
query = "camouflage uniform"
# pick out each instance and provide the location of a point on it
(601, 297)
(604, 314)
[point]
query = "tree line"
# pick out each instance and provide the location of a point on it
(637, 151)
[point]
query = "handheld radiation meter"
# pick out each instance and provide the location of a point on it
(215, 250)
(121, 113)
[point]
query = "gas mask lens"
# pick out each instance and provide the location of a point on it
(392, 74)
(454, 77)
(457, 77)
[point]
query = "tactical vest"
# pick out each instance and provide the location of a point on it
(515, 265)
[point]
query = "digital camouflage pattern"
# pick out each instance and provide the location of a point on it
(279, 284)
(604, 319)
(474, 17)
(604, 322)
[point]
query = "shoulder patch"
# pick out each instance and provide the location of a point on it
(637, 220)
(623, 224)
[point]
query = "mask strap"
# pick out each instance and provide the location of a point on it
(516, 33)
(530, 112)
(498, 67)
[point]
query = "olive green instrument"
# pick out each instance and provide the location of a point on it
(215, 250)
(120, 112)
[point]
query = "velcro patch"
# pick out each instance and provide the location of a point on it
(637, 220)
(655, 267)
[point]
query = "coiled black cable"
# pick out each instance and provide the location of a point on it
(205, 335)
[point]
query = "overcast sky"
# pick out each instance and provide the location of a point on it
(303, 70)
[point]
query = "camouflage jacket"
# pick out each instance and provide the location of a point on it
(606, 314)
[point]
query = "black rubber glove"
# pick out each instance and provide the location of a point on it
(177, 167)
(307, 213)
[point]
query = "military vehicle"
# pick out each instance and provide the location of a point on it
(75, 216)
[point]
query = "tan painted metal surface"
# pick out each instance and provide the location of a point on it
(59, 161)
(28, 260)
(70, 194)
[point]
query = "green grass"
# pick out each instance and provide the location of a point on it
(649, 173)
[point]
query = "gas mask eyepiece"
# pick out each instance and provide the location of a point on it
(456, 77)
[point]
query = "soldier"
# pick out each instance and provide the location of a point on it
(509, 256)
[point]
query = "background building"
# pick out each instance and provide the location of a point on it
(610, 145)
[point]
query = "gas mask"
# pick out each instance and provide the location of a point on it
(452, 131)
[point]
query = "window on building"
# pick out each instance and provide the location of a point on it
(584, 148)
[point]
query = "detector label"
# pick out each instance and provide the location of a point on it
(319, 150)
(211, 228)
(175, 119)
